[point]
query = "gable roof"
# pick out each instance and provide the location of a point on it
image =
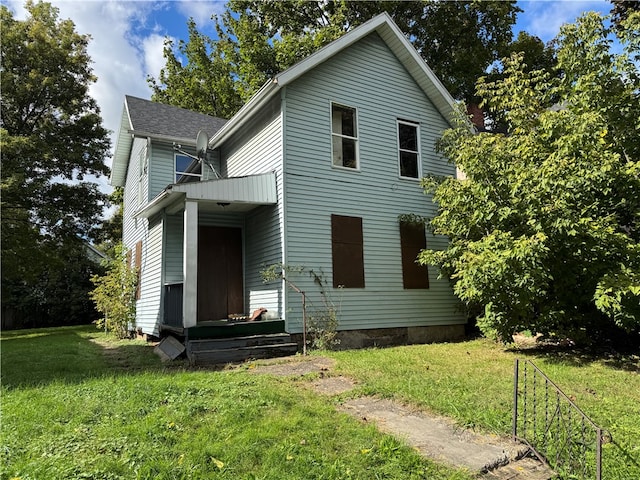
(394, 39)
(144, 118)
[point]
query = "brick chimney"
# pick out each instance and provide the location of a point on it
(477, 116)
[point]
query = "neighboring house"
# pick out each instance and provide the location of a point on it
(315, 171)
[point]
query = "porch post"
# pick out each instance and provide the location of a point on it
(190, 265)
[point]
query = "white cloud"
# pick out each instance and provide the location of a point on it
(201, 11)
(544, 18)
(153, 48)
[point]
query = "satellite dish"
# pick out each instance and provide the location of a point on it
(202, 142)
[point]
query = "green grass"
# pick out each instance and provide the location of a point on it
(77, 405)
(472, 382)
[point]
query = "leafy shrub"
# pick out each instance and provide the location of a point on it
(115, 294)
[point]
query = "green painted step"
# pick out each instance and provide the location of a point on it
(221, 329)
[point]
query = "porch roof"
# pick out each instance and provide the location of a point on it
(236, 194)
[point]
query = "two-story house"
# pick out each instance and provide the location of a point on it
(314, 172)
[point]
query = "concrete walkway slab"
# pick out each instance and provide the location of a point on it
(435, 437)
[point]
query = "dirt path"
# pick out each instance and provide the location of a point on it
(435, 437)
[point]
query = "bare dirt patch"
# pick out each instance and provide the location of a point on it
(293, 366)
(333, 385)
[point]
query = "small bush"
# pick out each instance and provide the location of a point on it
(115, 295)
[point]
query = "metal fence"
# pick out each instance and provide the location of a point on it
(553, 426)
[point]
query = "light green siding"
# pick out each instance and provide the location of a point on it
(368, 77)
(135, 193)
(173, 241)
(257, 148)
(148, 309)
(134, 230)
(263, 247)
(161, 168)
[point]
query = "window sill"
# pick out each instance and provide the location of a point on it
(410, 179)
(344, 169)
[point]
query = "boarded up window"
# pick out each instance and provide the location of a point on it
(347, 251)
(412, 241)
(138, 266)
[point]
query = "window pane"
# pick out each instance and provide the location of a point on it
(182, 163)
(344, 152)
(409, 164)
(343, 120)
(187, 169)
(408, 135)
(186, 178)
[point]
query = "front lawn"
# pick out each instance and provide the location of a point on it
(74, 408)
(76, 404)
(472, 382)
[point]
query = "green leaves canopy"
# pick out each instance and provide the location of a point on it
(51, 139)
(544, 230)
(258, 39)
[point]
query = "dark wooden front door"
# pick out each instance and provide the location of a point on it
(219, 273)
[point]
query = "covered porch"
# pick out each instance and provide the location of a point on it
(203, 265)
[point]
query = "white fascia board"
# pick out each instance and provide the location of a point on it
(272, 86)
(122, 151)
(331, 49)
(163, 138)
(392, 36)
(258, 99)
(162, 200)
(439, 95)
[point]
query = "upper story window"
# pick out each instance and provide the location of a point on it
(344, 135)
(409, 149)
(187, 169)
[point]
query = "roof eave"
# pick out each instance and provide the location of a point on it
(161, 201)
(397, 42)
(262, 96)
(122, 151)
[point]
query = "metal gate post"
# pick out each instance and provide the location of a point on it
(514, 428)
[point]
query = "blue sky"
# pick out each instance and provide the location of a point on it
(128, 37)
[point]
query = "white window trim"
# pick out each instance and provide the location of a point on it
(356, 138)
(175, 170)
(419, 152)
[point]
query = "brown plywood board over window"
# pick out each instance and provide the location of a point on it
(412, 241)
(347, 251)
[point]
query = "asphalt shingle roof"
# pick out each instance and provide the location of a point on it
(157, 118)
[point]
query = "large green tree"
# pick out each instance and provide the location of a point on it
(51, 139)
(545, 230)
(258, 39)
